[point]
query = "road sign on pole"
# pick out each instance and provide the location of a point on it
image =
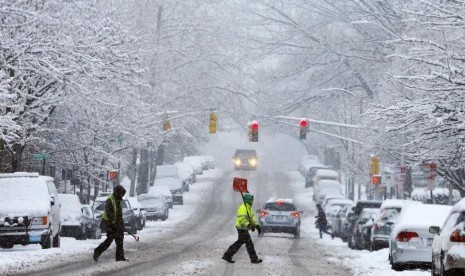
(40, 156)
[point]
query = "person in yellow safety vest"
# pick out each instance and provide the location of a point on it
(245, 221)
(113, 222)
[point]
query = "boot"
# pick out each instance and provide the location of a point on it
(229, 260)
(257, 261)
(122, 260)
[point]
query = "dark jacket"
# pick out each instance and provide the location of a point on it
(321, 218)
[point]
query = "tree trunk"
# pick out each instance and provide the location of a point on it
(17, 157)
(143, 176)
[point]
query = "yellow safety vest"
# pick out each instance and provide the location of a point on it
(242, 220)
(113, 202)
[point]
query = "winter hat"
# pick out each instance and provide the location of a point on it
(248, 198)
(119, 192)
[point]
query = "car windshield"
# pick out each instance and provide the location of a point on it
(275, 206)
(246, 153)
(152, 202)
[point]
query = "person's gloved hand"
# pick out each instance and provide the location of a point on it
(251, 227)
(259, 229)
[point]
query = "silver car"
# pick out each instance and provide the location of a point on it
(155, 205)
(410, 242)
(280, 216)
(449, 244)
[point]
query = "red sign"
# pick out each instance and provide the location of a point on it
(240, 185)
(303, 122)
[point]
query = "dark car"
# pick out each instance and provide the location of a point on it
(129, 217)
(364, 238)
(280, 216)
(352, 220)
(363, 222)
(338, 222)
(246, 160)
(92, 222)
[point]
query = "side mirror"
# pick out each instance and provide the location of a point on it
(434, 230)
(52, 201)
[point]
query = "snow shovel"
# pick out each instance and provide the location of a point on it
(135, 237)
(240, 185)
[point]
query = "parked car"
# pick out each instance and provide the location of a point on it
(186, 174)
(140, 214)
(330, 200)
(175, 186)
(209, 160)
(92, 222)
(280, 216)
(129, 217)
(327, 187)
(245, 160)
(155, 205)
(195, 163)
(351, 220)
(163, 190)
(382, 226)
(362, 227)
(72, 217)
(339, 223)
(323, 174)
(29, 210)
(331, 214)
(449, 244)
(336, 202)
(310, 173)
(410, 244)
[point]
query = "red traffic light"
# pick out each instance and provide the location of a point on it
(254, 125)
(376, 179)
(303, 122)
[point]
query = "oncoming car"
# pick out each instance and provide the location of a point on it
(280, 216)
(245, 159)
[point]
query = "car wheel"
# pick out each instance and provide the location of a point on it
(56, 240)
(47, 243)
(6, 245)
(397, 267)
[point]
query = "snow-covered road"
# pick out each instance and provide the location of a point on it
(193, 239)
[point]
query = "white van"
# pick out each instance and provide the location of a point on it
(323, 174)
(29, 210)
(328, 187)
(162, 190)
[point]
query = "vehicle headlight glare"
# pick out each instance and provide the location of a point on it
(237, 162)
(253, 161)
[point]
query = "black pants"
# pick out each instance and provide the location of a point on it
(113, 233)
(243, 237)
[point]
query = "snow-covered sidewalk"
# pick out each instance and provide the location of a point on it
(21, 258)
(361, 262)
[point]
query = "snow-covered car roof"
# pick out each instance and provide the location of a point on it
(309, 157)
(340, 201)
(325, 172)
(69, 201)
(285, 200)
(134, 202)
(24, 197)
(329, 183)
(421, 216)
(193, 160)
(171, 182)
(185, 170)
(161, 190)
(459, 206)
(396, 203)
(166, 171)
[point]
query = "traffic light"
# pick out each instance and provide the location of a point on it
(213, 120)
(112, 175)
(254, 129)
(303, 128)
(166, 125)
(376, 179)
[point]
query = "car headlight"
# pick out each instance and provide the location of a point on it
(237, 162)
(253, 161)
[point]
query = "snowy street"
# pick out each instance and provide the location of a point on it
(194, 239)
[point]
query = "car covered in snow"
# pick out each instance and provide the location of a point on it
(72, 217)
(327, 188)
(186, 174)
(339, 222)
(195, 162)
(92, 222)
(129, 217)
(449, 243)
(383, 224)
(175, 185)
(245, 160)
(138, 211)
(29, 210)
(410, 244)
(165, 191)
(280, 216)
(360, 234)
(155, 206)
(164, 171)
(208, 162)
(353, 216)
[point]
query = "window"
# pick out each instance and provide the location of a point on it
(273, 206)
(452, 220)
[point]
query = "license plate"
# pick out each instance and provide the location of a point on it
(279, 218)
(429, 242)
(34, 238)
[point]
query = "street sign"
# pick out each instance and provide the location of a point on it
(41, 156)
